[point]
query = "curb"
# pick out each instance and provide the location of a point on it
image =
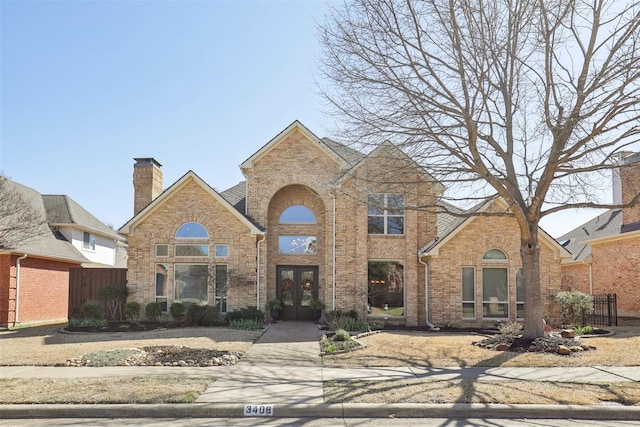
(409, 410)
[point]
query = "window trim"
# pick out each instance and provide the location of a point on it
(404, 288)
(385, 215)
(315, 220)
(221, 245)
(175, 281)
(162, 244)
(192, 237)
(519, 302)
(90, 243)
(224, 305)
(201, 245)
(500, 302)
(162, 298)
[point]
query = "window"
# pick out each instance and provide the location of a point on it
(386, 214)
(89, 241)
(191, 250)
(386, 288)
(468, 293)
(191, 283)
(221, 287)
(297, 245)
(495, 293)
(494, 255)
(519, 294)
(222, 251)
(192, 230)
(162, 250)
(297, 214)
(161, 285)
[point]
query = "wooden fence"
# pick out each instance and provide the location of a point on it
(85, 282)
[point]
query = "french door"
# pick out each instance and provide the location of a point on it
(296, 286)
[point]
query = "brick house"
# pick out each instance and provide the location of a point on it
(315, 218)
(606, 250)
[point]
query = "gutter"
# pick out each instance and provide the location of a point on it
(426, 295)
(16, 319)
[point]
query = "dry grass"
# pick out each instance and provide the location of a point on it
(447, 350)
(102, 390)
(46, 346)
(467, 391)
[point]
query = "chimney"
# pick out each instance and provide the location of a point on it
(147, 182)
(626, 185)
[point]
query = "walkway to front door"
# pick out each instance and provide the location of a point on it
(296, 286)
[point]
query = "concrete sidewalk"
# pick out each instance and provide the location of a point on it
(284, 369)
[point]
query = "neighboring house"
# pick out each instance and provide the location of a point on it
(315, 218)
(34, 275)
(606, 249)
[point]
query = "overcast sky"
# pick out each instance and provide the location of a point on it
(86, 86)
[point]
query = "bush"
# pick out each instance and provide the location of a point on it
(177, 311)
(114, 297)
(202, 315)
(153, 310)
(132, 311)
(342, 335)
(247, 313)
(574, 306)
(87, 323)
(92, 310)
(246, 324)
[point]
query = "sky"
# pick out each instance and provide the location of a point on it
(86, 86)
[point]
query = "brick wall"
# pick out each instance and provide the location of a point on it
(191, 203)
(44, 290)
(466, 249)
(616, 269)
(575, 277)
(630, 182)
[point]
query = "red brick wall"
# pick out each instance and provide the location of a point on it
(616, 270)
(630, 181)
(575, 277)
(44, 290)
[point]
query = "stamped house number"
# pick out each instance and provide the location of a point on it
(258, 410)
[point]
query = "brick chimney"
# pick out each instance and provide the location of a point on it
(626, 185)
(147, 182)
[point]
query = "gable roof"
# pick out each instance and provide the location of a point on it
(453, 225)
(49, 243)
(62, 210)
(606, 225)
(327, 146)
(175, 187)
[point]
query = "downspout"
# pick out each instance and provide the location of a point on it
(258, 272)
(333, 296)
(16, 320)
(590, 280)
(426, 294)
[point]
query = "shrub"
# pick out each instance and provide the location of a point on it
(87, 323)
(92, 310)
(342, 335)
(247, 313)
(574, 306)
(246, 324)
(337, 319)
(193, 315)
(584, 331)
(510, 329)
(177, 311)
(202, 315)
(153, 310)
(132, 311)
(114, 297)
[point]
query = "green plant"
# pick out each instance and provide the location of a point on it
(177, 311)
(202, 315)
(153, 310)
(124, 327)
(273, 304)
(114, 297)
(132, 311)
(510, 329)
(251, 313)
(584, 330)
(342, 335)
(316, 304)
(245, 324)
(574, 306)
(92, 310)
(87, 323)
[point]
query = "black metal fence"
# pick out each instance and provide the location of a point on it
(605, 310)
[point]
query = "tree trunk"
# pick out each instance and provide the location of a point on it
(533, 308)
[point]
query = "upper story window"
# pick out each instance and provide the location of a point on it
(386, 214)
(192, 230)
(297, 214)
(89, 241)
(494, 255)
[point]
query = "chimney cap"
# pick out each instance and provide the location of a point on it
(142, 161)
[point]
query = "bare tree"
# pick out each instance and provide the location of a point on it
(529, 99)
(20, 221)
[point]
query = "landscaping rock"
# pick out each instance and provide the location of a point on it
(564, 350)
(568, 333)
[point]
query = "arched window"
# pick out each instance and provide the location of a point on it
(192, 230)
(297, 214)
(494, 254)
